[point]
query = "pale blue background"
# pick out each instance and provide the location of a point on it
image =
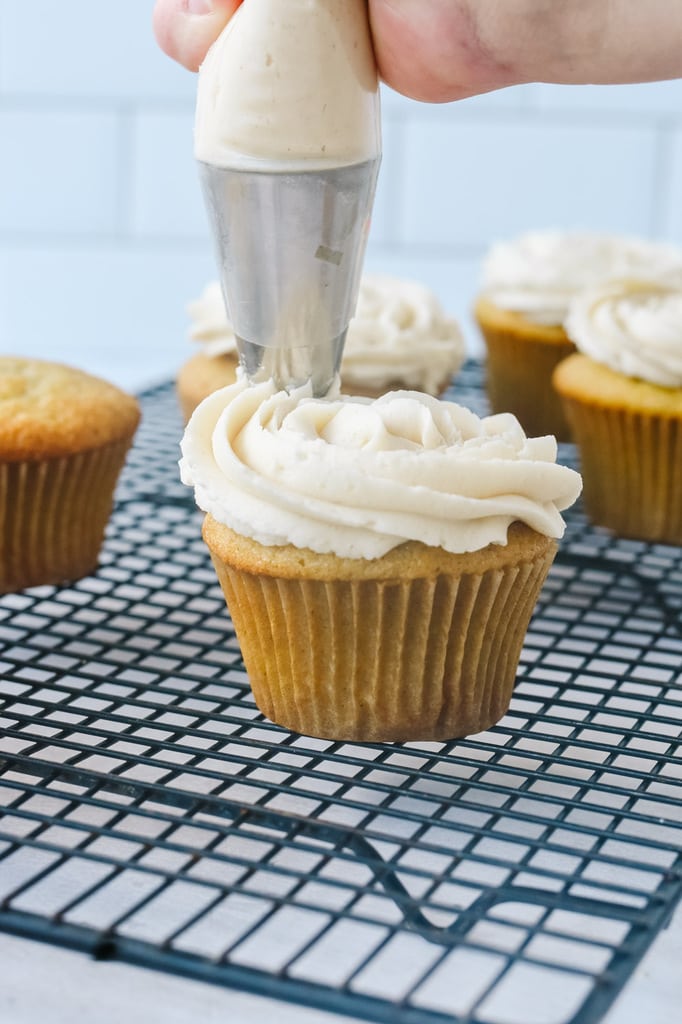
(103, 237)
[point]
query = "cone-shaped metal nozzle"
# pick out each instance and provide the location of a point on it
(290, 247)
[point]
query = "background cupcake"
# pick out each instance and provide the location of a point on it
(622, 394)
(215, 365)
(527, 286)
(64, 436)
(380, 559)
(400, 337)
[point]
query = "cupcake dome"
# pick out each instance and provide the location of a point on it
(64, 436)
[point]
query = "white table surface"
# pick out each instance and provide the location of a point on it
(42, 984)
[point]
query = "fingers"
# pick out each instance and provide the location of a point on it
(185, 29)
(429, 49)
(442, 50)
(439, 50)
(436, 50)
(433, 54)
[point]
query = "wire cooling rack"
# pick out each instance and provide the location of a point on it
(151, 814)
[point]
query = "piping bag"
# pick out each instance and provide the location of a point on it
(288, 143)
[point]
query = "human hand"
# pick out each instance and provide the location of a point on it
(185, 29)
(441, 50)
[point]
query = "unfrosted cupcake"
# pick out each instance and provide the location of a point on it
(622, 394)
(215, 365)
(527, 286)
(64, 436)
(400, 337)
(380, 559)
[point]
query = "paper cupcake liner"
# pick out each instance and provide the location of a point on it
(53, 514)
(631, 464)
(519, 379)
(379, 660)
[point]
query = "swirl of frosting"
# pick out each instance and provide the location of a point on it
(633, 326)
(209, 323)
(400, 333)
(539, 273)
(357, 477)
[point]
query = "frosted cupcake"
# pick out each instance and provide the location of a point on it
(380, 559)
(64, 436)
(527, 286)
(215, 365)
(622, 394)
(400, 337)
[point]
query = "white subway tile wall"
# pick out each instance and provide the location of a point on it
(103, 236)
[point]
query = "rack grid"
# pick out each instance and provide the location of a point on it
(151, 814)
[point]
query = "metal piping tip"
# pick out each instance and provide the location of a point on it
(290, 246)
(316, 364)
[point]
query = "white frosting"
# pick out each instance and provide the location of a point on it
(357, 477)
(633, 326)
(399, 333)
(209, 324)
(292, 82)
(539, 273)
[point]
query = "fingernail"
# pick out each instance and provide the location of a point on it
(199, 6)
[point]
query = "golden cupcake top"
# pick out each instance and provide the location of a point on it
(583, 379)
(48, 410)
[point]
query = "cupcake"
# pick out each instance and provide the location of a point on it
(399, 337)
(527, 286)
(622, 395)
(380, 558)
(64, 436)
(215, 366)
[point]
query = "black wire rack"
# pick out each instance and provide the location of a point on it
(151, 814)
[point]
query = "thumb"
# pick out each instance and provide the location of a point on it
(185, 29)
